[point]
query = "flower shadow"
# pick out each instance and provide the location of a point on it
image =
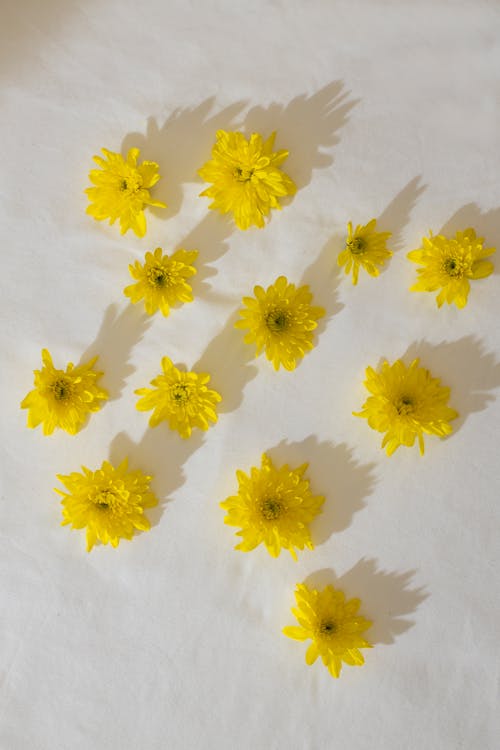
(118, 334)
(333, 472)
(323, 277)
(228, 361)
(463, 365)
(182, 144)
(180, 147)
(486, 224)
(161, 455)
(308, 126)
(397, 214)
(387, 599)
(209, 238)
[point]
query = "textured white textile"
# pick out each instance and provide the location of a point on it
(173, 641)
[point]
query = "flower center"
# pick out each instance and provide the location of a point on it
(157, 276)
(180, 393)
(271, 509)
(454, 267)
(405, 405)
(328, 628)
(104, 499)
(132, 183)
(62, 389)
(241, 174)
(357, 245)
(278, 320)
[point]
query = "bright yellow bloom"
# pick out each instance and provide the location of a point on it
(122, 190)
(333, 626)
(246, 177)
(406, 402)
(281, 321)
(63, 398)
(180, 398)
(109, 502)
(273, 506)
(448, 264)
(364, 247)
(162, 280)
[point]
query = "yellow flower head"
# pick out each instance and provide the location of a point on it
(246, 177)
(180, 398)
(109, 502)
(333, 626)
(448, 264)
(364, 247)
(281, 321)
(122, 190)
(273, 506)
(405, 403)
(162, 280)
(63, 398)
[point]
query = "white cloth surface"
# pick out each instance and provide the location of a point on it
(173, 641)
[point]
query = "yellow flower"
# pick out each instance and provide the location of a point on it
(162, 280)
(63, 398)
(406, 402)
(273, 506)
(246, 177)
(281, 321)
(122, 190)
(448, 264)
(333, 626)
(364, 247)
(180, 398)
(109, 502)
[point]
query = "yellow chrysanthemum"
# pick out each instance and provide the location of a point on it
(246, 177)
(333, 626)
(122, 190)
(273, 506)
(406, 402)
(448, 264)
(180, 398)
(109, 502)
(162, 280)
(281, 321)
(63, 398)
(364, 247)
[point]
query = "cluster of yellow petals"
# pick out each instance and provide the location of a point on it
(182, 399)
(405, 403)
(162, 280)
(448, 264)
(280, 321)
(246, 178)
(121, 190)
(274, 506)
(364, 248)
(109, 503)
(332, 624)
(63, 398)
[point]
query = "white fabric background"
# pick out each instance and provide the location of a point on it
(172, 641)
